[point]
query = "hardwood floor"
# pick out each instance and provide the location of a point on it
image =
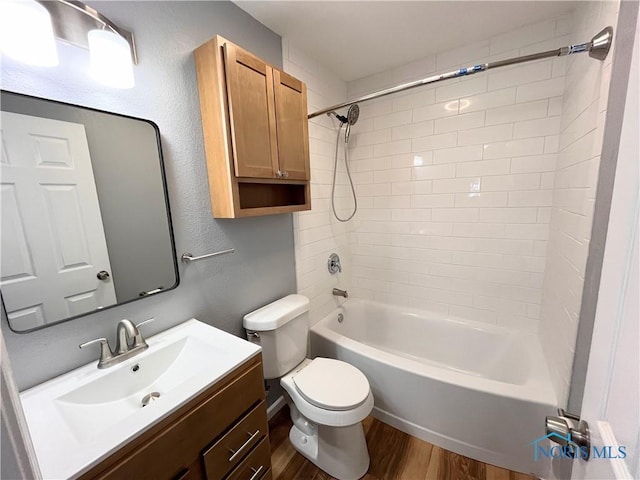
(394, 456)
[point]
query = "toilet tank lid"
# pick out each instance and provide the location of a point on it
(276, 314)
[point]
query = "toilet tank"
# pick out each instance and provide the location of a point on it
(281, 328)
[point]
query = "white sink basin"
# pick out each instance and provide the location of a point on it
(79, 418)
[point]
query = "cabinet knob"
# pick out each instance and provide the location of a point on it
(278, 174)
(285, 174)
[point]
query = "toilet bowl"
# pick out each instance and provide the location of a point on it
(327, 398)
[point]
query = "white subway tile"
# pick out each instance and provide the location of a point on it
(483, 101)
(516, 113)
(507, 183)
(538, 90)
(496, 133)
(401, 188)
(478, 230)
(431, 172)
(500, 305)
(505, 246)
(519, 75)
(454, 215)
(482, 199)
(434, 142)
(453, 243)
(458, 154)
(537, 128)
(432, 200)
(513, 148)
(459, 122)
(544, 215)
(532, 198)
(524, 263)
(534, 163)
(481, 168)
(390, 176)
(508, 215)
(476, 259)
(393, 201)
(421, 187)
(415, 70)
(430, 228)
(392, 148)
(426, 96)
(456, 185)
(538, 231)
(420, 129)
(547, 180)
(376, 109)
(471, 86)
(369, 138)
(412, 214)
(392, 120)
(551, 144)
(432, 112)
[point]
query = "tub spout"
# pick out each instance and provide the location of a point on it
(340, 293)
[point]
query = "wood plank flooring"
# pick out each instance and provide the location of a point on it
(394, 456)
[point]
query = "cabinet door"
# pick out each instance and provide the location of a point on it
(251, 113)
(292, 126)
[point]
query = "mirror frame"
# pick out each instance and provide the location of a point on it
(165, 190)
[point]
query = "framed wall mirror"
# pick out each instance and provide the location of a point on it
(85, 219)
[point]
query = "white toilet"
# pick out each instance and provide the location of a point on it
(328, 398)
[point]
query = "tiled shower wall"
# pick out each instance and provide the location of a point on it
(580, 144)
(455, 181)
(317, 233)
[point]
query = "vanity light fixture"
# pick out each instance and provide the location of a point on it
(26, 33)
(110, 59)
(112, 49)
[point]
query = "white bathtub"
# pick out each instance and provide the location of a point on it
(479, 390)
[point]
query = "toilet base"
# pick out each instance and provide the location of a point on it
(339, 451)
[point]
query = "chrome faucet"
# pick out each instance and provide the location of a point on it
(129, 343)
(340, 293)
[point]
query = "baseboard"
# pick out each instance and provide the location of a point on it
(275, 407)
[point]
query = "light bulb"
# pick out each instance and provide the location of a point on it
(110, 59)
(26, 33)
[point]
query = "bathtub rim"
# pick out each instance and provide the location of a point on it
(537, 388)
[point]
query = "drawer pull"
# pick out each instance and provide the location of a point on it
(244, 445)
(256, 473)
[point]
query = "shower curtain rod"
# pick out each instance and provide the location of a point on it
(598, 48)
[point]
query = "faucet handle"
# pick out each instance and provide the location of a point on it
(138, 340)
(149, 320)
(105, 351)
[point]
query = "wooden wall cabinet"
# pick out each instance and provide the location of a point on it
(220, 435)
(254, 120)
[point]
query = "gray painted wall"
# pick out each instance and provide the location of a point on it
(217, 291)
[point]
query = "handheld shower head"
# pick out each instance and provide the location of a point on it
(353, 113)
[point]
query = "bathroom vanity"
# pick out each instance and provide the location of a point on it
(208, 421)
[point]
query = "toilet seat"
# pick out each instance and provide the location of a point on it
(332, 384)
(324, 416)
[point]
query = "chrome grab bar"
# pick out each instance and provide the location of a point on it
(188, 257)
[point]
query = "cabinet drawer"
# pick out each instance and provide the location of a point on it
(227, 452)
(166, 454)
(256, 466)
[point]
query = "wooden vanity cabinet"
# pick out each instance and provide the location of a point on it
(220, 435)
(255, 126)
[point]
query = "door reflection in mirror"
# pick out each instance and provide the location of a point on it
(85, 216)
